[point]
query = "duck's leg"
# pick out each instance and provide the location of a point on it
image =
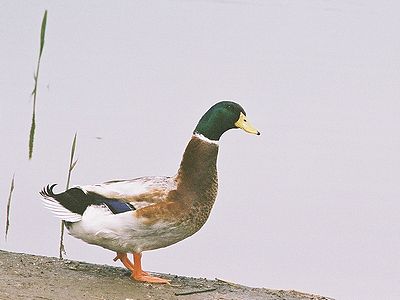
(123, 257)
(139, 275)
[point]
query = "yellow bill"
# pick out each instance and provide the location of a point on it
(242, 123)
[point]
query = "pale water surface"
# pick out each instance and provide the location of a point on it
(312, 204)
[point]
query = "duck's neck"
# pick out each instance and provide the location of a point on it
(197, 173)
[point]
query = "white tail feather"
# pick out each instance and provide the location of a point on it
(60, 211)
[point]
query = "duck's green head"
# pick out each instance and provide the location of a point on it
(221, 117)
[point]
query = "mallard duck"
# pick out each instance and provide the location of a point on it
(146, 213)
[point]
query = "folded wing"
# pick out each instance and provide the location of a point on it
(117, 196)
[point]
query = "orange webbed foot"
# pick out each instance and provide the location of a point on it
(139, 275)
(150, 279)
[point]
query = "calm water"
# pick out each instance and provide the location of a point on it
(312, 204)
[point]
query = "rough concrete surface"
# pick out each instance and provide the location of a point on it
(24, 276)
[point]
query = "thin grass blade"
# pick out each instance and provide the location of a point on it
(62, 247)
(73, 149)
(72, 164)
(71, 161)
(43, 33)
(9, 206)
(32, 134)
(35, 89)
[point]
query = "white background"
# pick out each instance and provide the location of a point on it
(312, 204)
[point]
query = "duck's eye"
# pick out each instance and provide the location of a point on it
(244, 120)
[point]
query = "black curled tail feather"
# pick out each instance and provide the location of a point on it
(55, 203)
(47, 191)
(74, 199)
